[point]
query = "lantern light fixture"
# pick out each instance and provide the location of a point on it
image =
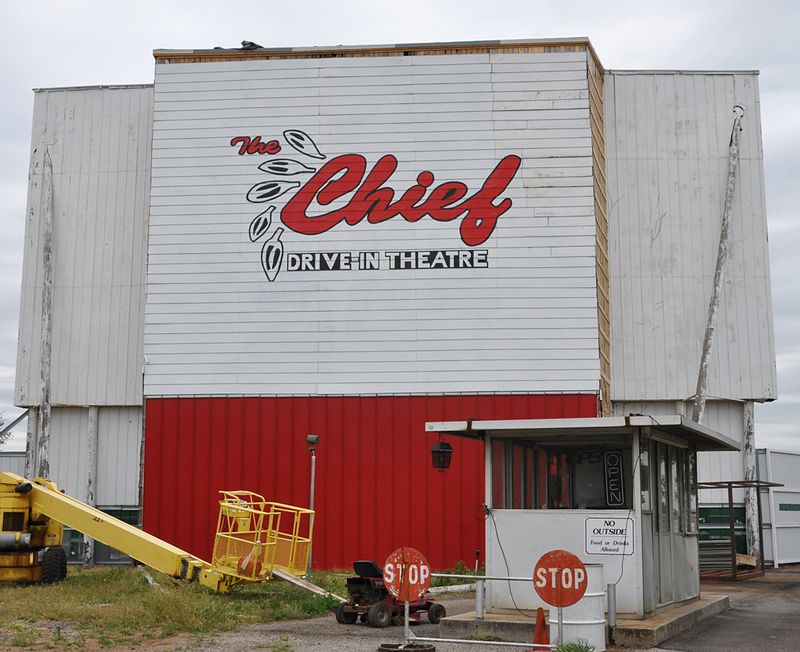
(441, 453)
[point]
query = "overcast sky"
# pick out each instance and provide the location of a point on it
(77, 43)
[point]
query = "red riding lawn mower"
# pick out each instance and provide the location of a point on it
(370, 602)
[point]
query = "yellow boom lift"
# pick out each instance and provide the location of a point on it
(256, 540)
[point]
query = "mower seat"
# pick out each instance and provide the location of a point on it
(367, 569)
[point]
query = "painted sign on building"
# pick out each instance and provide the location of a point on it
(380, 225)
(371, 197)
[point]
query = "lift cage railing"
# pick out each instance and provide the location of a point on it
(255, 536)
(293, 532)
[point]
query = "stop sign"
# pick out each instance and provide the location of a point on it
(406, 574)
(560, 578)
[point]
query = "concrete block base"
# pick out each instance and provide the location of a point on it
(511, 625)
(502, 624)
(657, 629)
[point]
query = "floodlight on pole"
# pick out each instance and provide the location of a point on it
(312, 441)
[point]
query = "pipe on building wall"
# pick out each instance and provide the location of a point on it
(43, 438)
(91, 478)
(751, 495)
(719, 272)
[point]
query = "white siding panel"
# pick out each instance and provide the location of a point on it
(69, 450)
(119, 431)
(12, 462)
(526, 322)
(785, 469)
(99, 142)
(667, 141)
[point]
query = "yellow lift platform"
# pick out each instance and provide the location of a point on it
(256, 540)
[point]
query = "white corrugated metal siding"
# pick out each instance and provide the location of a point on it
(667, 137)
(68, 450)
(12, 462)
(214, 325)
(781, 505)
(99, 143)
(119, 433)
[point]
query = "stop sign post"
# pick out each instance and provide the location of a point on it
(407, 576)
(560, 580)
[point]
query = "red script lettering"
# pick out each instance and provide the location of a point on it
(250, 145)
(375, 201)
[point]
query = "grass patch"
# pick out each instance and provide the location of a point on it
(117, 606)
(460, 569)
(580, 645)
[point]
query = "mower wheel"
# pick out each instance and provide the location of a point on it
(436, 613)
(379, 615)
(345, 617)
(362, 618)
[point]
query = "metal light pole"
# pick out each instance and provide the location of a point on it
(312, 441)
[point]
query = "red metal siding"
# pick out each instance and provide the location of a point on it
(376, 489)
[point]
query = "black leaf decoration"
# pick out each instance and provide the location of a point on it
(285, 167)
(303, 143)
(272, 255)
(269, 190)
(260, 224)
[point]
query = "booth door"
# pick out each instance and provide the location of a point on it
(666, 542)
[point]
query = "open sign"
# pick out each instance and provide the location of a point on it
(615, 486)
(560, 578)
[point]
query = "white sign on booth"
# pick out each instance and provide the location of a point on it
(609, 536)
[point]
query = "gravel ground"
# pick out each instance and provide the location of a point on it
(325, 634)
(764, 615)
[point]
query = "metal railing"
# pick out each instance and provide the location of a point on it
(480, 612)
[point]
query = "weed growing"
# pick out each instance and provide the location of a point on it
(118, 606)
(460, 569)
(580, 645)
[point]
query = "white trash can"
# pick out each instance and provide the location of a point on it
(587, 618)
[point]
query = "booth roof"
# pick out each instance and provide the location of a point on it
(676, 427)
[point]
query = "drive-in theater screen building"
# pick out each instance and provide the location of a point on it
(352, 242)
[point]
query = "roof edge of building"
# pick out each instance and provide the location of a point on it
(391, 49)
(678, 71)
(94, 87)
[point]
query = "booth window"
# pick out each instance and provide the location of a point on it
(689, 485)
(663, 488)
(514, 475)
(676, 473)
(529, 475)
(675, 484)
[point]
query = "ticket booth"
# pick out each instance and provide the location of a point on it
(616, 491)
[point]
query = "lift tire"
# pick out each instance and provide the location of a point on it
(379, 615)
(344, 617)
(54, 565)
(436, 613)
(62, 562)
